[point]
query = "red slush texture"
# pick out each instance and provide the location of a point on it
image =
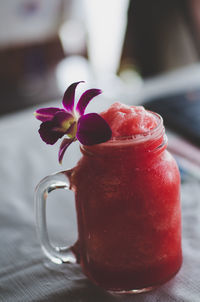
(128, 120)
(129, 216)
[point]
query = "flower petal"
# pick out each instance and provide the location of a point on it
(85, 98)
(63, 121)
(46, 114)
(68, 98)
(93, 129)
(51, 131)
(48, 134)
(63, 147)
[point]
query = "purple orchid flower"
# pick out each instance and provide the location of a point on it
(89, 129)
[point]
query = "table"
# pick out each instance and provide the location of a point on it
(25, 273)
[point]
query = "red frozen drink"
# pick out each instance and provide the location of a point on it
(128, 204)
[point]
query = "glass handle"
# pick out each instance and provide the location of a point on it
(48, 184)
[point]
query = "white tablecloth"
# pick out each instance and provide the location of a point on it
(25, 273)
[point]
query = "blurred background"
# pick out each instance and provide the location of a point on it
(117, 44)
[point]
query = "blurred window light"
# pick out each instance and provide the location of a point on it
(72, 36)
(106, 24)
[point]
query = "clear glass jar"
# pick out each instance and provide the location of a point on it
(129, 215)
(127, 194)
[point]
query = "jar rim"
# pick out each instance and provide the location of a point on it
(154, 133)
